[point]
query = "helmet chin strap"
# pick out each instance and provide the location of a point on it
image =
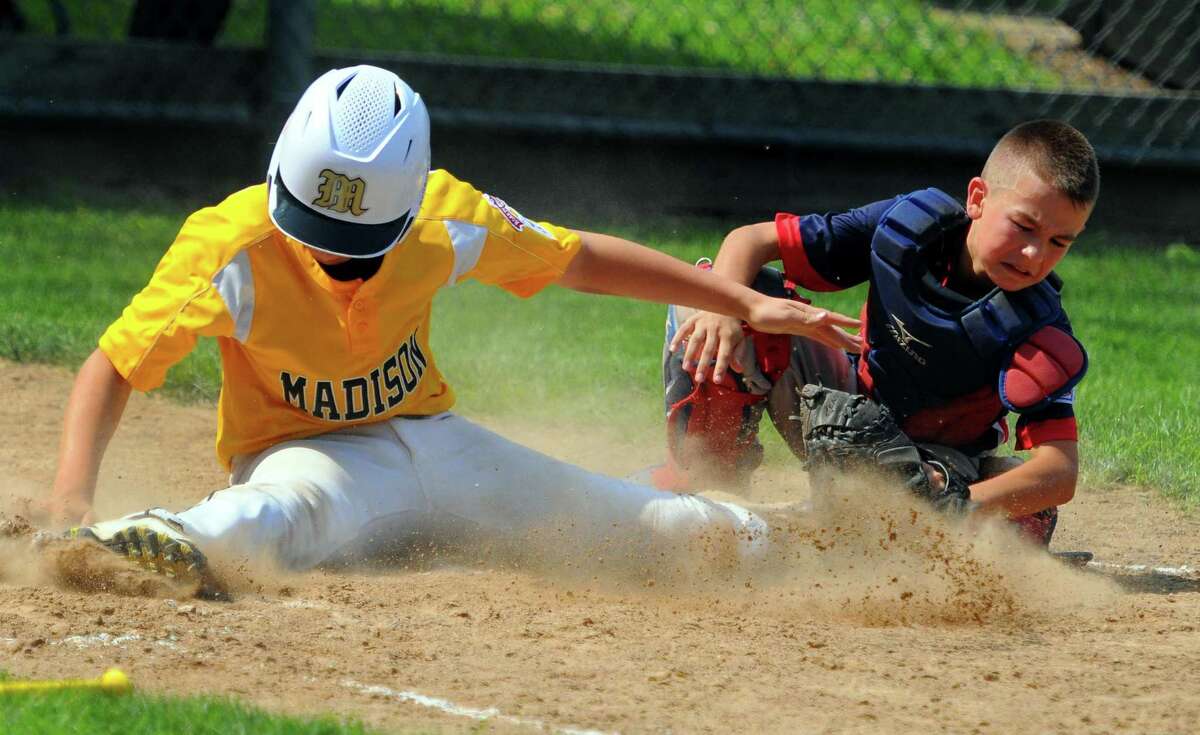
(352, 269)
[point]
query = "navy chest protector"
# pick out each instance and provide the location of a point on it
(930, 345)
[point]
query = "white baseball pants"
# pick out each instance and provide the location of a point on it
(352, 494)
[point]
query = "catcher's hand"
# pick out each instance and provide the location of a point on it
(848, 432)
(948, 490)
(711, 339)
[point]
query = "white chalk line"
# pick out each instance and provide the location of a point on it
(102, 639)
(97, 639)
(306, 604)
(445, 705)
(1183, 571)
(109, 640)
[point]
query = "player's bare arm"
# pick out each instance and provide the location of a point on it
(1047, 479)
(93, 412)
(611, 265)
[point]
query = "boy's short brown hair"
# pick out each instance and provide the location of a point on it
(1057, 153)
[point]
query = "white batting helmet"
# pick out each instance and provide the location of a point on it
(348, 172)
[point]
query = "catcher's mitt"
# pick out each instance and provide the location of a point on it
(845, 432)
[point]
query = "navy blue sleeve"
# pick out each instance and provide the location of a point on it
(829, 252)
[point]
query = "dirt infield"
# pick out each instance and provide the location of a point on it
(887, 621)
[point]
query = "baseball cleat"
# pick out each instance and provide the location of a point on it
(150, 542)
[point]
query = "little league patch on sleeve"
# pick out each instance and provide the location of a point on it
(515, 218)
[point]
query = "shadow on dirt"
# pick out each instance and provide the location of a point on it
(1150, 582)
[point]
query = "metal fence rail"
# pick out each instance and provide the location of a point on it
(902, 74)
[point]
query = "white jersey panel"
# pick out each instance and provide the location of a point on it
(235, 283)
(468, 241)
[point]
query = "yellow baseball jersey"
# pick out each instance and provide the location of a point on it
(303, 354)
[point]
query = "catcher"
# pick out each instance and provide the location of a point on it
(962, 325)
(334, 419)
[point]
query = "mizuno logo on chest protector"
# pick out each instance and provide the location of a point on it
(340, 193)
(905, 338)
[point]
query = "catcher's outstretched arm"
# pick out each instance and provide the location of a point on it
(746, 250)
(1046, 480)
(93, 413)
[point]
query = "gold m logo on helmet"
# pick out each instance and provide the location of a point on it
(340, 193)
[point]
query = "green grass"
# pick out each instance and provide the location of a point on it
(68, 274)
(1136, 311)
(877, 40)
(59, 713)
(594, 360)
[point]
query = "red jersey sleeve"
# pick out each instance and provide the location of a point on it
(795, 261)
(1056, 422)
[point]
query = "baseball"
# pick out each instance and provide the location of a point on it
(114, 681)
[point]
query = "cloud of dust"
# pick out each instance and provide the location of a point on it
(870, 556)
(875, 556)
(30, 558)
(33, 556)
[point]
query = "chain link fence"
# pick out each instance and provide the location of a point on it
(894, 74)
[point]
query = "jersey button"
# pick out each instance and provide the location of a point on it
(362, 325)
(358, 306)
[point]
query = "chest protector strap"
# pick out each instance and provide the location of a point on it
(968, 342)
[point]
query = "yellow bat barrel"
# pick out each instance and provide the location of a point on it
(113, 681)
